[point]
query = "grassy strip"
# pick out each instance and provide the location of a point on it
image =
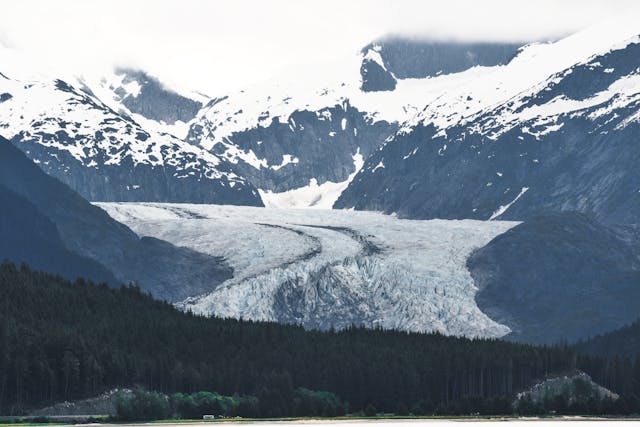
(106, 420)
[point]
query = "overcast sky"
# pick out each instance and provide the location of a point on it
(222, 45)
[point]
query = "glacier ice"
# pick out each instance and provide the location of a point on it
(329, 268)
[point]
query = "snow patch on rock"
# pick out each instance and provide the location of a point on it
(314, 195)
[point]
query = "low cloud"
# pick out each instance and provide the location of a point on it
(218, 46)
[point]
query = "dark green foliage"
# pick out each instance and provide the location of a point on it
(370, 410)
(142, 405)
(196, 405)
(61, 340)
(623, 342)
(401, 409)
(317, 403)
(592, 406)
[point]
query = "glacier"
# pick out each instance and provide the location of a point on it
(327, 269)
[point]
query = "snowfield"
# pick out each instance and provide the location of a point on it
(329, 268)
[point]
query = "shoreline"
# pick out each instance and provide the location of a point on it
(65, 420)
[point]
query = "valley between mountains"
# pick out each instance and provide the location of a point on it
(399, 223)
(479, 189)
(329, 269)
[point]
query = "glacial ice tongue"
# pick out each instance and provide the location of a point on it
(329, 268)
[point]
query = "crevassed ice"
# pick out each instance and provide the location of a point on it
(323, 268)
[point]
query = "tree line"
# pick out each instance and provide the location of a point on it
(63, 340)
(141, 405)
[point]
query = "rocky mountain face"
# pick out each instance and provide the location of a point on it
(311, 145)
(416, 59)
(151, 99)
(387, 60)
(375, 75)
(509, 130)
(558, 276)
(86, 231)
(281, 139)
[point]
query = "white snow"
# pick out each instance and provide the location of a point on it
(380, 165)
(443, 101)
(234, 153)
(418, 282)
(287, 159)
(414, 151)
(620, 93)
(373, 54)
(502, 209)
(132, 88)
(485, 88)
(314, 195)
(324, 86)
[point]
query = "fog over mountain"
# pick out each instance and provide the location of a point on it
(217, 47)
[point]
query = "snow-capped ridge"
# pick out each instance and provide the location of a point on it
(65, 128)
(534, 64)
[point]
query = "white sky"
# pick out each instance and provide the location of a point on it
(218, 46)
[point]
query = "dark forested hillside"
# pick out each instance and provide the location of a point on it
(624, 342)
(62, 340)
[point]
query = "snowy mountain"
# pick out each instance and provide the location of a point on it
(455, 138)
(301, 137)
(555, 129)
(401, 126)
(105, 154)
(148, 101)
